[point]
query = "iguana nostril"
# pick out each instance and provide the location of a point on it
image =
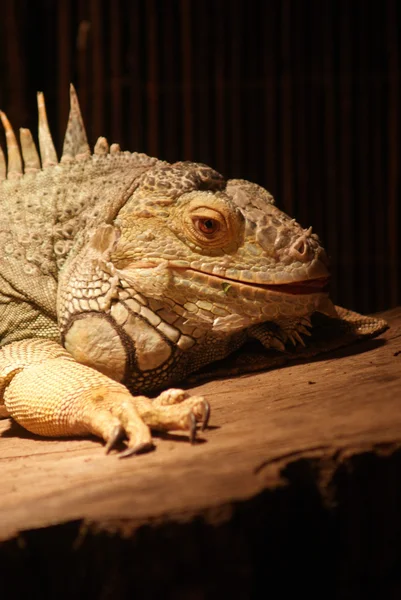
(300, 249)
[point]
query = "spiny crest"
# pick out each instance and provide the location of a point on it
(75, 141)
(26, 160)
(14, 157)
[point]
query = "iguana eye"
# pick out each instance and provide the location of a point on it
(208, 222)
(208, 226)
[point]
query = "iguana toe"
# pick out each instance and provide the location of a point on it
(175, 410)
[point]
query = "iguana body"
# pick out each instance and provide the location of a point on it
(121, 271)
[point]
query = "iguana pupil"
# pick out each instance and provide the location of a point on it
(208, 225)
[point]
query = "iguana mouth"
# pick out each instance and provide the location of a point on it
(319, 285)
(309, 286)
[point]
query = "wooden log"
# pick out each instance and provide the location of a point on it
(296, 488)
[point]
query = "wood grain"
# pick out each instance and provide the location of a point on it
(306, 442)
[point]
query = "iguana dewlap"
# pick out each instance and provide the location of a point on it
(121, 274)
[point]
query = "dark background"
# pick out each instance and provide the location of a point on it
(301, 96)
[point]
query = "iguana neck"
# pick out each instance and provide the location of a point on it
(91, 193)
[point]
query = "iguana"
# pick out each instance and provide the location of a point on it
(121, 274)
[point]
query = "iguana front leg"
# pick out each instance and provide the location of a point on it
(47, 392)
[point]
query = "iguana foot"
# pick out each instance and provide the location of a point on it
(172, 410)
(46, 391)
(198, 406)
(277, 335)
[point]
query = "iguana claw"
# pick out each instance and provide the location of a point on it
(116, 435)
(192, 427)
(205, 415)
(139, 449)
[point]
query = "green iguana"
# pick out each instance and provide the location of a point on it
(121, 274)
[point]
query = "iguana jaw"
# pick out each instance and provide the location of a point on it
(318, 285)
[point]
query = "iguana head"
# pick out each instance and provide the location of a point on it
(190, 259)
(221, 246)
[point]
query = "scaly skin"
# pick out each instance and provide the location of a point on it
(121, 274)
